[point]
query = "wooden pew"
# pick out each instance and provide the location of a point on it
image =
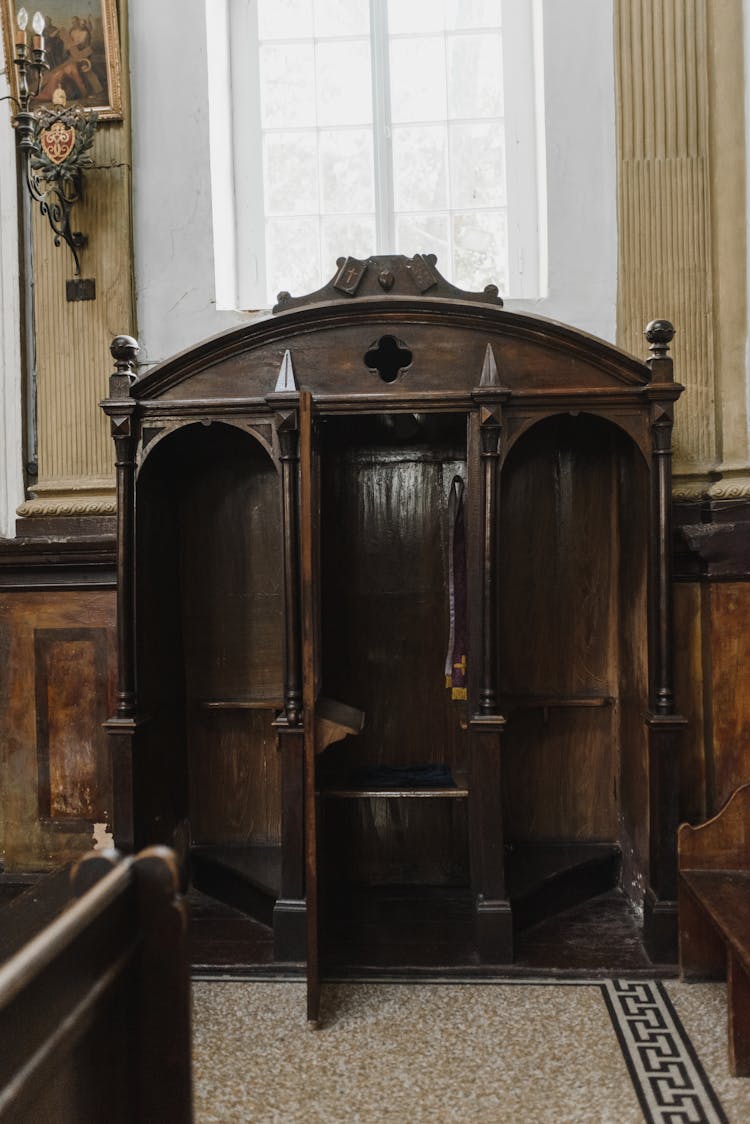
(95, 1008)
(714, 913)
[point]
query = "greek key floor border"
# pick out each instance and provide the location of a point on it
(669, 1080)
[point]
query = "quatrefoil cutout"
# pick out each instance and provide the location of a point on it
(389, 357)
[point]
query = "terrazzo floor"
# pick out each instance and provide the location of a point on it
(525, 1053)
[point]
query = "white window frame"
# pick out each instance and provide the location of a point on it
(236, 164)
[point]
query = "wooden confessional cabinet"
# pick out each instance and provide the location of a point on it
(326, 516)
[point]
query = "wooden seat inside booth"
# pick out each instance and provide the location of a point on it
(288, 535)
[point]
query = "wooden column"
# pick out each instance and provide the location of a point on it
(664, 726)
(289, 442)
(493, 914)
(290, 911)
(120, 408)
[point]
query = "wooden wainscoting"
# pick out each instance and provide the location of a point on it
(57, 668)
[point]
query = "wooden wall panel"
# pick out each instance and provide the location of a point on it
(58, 662)
(692, 696)
(71, 745)
(235, 778)
(730, 687)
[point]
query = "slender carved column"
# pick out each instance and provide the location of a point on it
(659, 334)
(120, 408)
(289, 441)
(489, 435)
(290, 910)
(486, 840)
(664, 726)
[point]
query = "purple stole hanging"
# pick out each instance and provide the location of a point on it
(455, 659)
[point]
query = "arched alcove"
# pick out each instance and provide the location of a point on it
(209, 647)
(573, 649)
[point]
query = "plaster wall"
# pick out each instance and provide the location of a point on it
(173, 222)
(11, 439)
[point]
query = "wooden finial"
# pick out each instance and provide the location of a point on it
(124, 350)
(659, 334)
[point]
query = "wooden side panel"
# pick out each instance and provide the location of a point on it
(632, 531)
(71, 745)
(558, 581)
(385, 485)
(730, 683)
(721, 843)
(58, 660)
(234, 778)
(385, 609)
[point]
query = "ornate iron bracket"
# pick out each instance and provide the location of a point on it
(54, 142)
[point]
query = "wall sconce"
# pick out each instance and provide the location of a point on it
(53, 142)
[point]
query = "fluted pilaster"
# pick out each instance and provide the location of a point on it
(680, 197)
(76, 475)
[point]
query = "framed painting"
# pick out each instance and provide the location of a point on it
(82, 46)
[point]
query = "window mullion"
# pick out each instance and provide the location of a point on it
(385, 233)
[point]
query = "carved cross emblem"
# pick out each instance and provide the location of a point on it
(58, 141)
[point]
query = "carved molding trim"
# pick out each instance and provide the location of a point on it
(731, 486)
(689, 487)
(60, 504)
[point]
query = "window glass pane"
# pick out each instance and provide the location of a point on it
(472, 13)
(343, 83)
(346, 172)
(292, 255)
(477, 156)
(343, 235)
(287, 86)
(475, 75)
(425, 234)
(284, 19)
(480, 250)
(410, 16)
(420, 181)
(418, 79)
(341, 17)
(290, 173)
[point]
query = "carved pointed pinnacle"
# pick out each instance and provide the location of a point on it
(286, 382)
(490, 376)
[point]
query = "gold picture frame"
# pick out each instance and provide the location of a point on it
(83, 50)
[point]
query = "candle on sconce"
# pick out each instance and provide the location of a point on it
(38, 25)
(22, 20)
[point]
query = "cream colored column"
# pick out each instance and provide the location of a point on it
(681, 212)
(76, 475)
